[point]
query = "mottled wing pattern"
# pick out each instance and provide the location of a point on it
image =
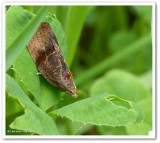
(47, 55)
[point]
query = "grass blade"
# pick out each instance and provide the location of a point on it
(101, 67)
(19, 44)
(74, 24)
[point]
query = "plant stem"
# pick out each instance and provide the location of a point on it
(109, 61)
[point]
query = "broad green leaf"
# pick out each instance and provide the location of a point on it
(79, 128)
(146, 78)
(12, 106)
(138, 129)
(104, 130)
(27, 71)
(120, 83)
(146, 126)
(44, 93)
(30, 122)
(74, 23)
(50, 95)
(17, 46)
(67, 127)
(102, 109)
(34, 119)
(147, 107)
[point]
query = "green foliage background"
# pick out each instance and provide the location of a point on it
(109, 50)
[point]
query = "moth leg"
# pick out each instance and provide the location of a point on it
(38, 73)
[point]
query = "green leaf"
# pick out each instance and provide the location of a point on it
(68, 127)
(114, 59)
(102, 109)
(15, 24)
(62, 14)
(27, 71)
(143, 129)
(59, 32)
(34, 118)
(12, 106)
(44, 92)
(146, 78)
(122, 84)
(36, 9)
(17, 46)
(144, 12)
(122, 39)
(75, 21)
(146, 126)
(130, 87)
(105, 130)
(28, 8)
(50, 95)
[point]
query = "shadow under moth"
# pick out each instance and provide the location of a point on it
(48, 57)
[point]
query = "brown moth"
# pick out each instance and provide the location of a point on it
(47, 55)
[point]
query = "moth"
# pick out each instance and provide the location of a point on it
(48, 57)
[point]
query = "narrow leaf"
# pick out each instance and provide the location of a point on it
(15, 49)
(15, 17)
(75, 21)
(114, 59)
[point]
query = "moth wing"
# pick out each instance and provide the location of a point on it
(47, 55)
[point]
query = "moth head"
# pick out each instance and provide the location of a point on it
(72, 93)
(70, 86)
